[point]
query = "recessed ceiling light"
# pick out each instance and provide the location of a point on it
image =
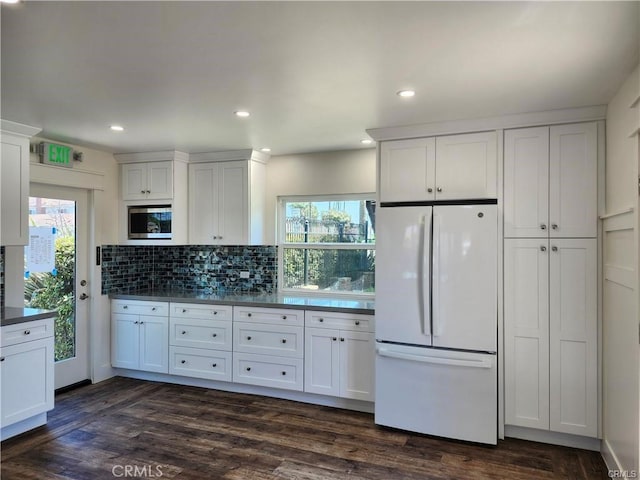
(265, 149)
(406, 93)
(117, 128)
(10, 1)
(366, 141)
(242, 113)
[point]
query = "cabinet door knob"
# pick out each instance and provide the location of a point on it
(543, 248)
(284, 373)
(430, 190)
(284, 317)
(142, 191)
(183, 361)
(215, 237)
(153, 309)
(215, 335)
(321, 320)
(248, 369)
(357, 322)
(1, 359)
(220, 237)
(335, 338)
(248, 338)
(184, 332)
(125, 306)
(184, 310)
(135, 323)
(439, 189)
(215, 312)
(543, 226)
(214, 365)
(342, 339)
(141, 323)
(249, 314)
(554, 226)
(27, 332)
(284, 340)
(148, 191)
(554, 248)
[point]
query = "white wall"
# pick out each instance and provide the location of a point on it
(340, 172)
(620, 363)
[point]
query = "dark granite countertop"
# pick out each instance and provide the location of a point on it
(305, 302)
(13, 315)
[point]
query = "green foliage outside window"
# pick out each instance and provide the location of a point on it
(44, 290)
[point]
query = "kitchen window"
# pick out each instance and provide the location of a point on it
(327, 245)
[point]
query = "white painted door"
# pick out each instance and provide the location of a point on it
(203, 203)
(573, 184)
(66, 209)
(154, 343)
(526, 182)
(134, 181)
(526, 326)
(321, 363)
(573, 336)
(125, 341)
(159, 180)
(233, 226)
(407, 170)
(466, 166)
(357, 361)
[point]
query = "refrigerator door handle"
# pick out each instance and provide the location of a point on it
(435, 274)
(455, 362)
(426, 292)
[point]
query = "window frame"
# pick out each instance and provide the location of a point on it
(280, 240)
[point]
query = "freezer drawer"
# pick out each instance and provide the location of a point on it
(437, 392)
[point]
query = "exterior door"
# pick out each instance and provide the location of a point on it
(65, 287)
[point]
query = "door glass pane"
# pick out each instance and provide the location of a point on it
(56, 290)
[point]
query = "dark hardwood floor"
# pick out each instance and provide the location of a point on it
(125, 428)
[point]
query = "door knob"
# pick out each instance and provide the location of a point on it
(84, 296)
(83, 283)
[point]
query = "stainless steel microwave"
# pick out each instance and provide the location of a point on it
(150, 222)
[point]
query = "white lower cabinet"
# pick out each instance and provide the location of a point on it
(339, 355)
(268, 347)
(200, 338)
(551, 335)
(27, 373)
(140, 340)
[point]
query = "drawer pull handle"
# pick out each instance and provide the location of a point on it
(321, 320)
(27, 332)
(125, 306)
(284, 373)
(1, 359)
(215, 312)
(248, 369)
(215, 335)
(214, 365)
(284, 340)
(335, 338)
(249, 314)
(342, 339)
(184, 332)
(184, 310)
(183, 361)
(357, 322)
(248, 338)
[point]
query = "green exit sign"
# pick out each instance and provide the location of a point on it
(59, 155)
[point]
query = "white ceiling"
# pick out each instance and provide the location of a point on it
(314, 75)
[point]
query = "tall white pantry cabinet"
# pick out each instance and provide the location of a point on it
(550, 278)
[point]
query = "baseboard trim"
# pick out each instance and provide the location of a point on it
(73, 386)
(554, 438)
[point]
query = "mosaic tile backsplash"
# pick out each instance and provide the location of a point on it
(1, 277)
(202, 268)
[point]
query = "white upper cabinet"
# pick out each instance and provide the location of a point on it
(439, 168)
(226, 199)
(147, 181)
(408, 170)
(14, 183)
(551, 181)
(573, 180)
(466, 166)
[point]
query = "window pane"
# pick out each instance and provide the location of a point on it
(331, 270)
(343, 221)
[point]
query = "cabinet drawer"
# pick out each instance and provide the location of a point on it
(268, 339)
(200, 363)
(198, 310)
(343, 321)
(140, 307)
(268, 371)
(200, 333)
(26, 331)
(269, 315)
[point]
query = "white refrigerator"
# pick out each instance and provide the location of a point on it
(436, 320)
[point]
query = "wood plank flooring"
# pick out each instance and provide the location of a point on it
(126, 428)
